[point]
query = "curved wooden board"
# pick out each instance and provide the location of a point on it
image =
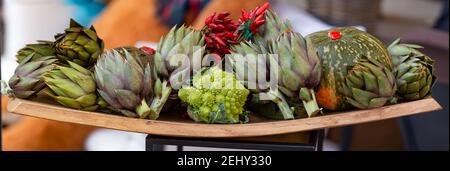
(174, 125)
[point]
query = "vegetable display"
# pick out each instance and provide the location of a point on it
(261, 66)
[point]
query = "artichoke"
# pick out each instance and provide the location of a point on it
(251, 69)
(72, 86)
(79, 45)
(177, 54)
(40, 49)
(299, 69)
(27, 80)
(178, 43)
(126, 81)
(368, 84)
(161, 89)
(272, 28)
(413, 70)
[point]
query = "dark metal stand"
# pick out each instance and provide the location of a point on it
(346, 137)
(157, 143)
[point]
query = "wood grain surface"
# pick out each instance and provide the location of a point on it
(171, 124)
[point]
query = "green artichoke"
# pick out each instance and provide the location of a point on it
(272, 28)
(73, 87)
(161, 89)
(249, 68)
(79, 45)
(299, 69)
(368, 84)
(413, 70)
(177, 54)
(27, 80)
(126, 81)
(168, 58)
(40, 49)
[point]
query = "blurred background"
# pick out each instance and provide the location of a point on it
(423, 22)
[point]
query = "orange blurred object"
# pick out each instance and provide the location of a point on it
(124, 22)
(4, 101)
(33, 134)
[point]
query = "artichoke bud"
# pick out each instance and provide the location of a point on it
(273, 27)
(79, 45)
(71, 87)
(180, 41)
(27, 80)
(246, 70)
(125, 79)
(368, 84)
(414, 71)
(40, 49)
(300, 68)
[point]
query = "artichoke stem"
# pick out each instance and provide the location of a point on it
(143, 110)
(6, 90)
(284, 107)
(309, 101)
(159, 101)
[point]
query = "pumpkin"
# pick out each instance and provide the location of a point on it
(339, 49)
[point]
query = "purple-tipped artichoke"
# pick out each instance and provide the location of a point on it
(40, 49)
(250, 68)
(125, 80)
(79, 45)
(299, 69)
(27, 80)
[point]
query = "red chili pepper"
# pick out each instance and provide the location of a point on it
(245, 15)
(148, 50)
(259, 18)
(255, 26)
(209, 19)
(220, 27)
(219, 40)
(223, 15)
(263, 8)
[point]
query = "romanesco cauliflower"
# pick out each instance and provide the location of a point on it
(215, 97)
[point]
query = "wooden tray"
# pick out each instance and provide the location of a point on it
(170, 124)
